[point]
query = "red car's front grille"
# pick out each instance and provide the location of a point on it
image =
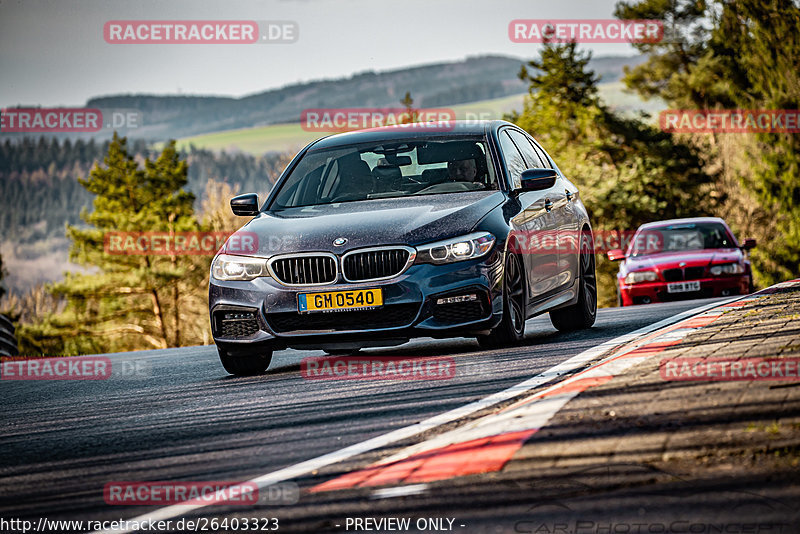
(693, 273)
(689, 273)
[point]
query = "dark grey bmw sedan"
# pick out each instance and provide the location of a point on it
(370, 238)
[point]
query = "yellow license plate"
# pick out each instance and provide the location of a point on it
(339, 300)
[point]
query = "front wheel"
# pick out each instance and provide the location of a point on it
(583, 313)
(245, 365)
(511, 329)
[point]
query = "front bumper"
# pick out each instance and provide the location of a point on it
(649, 292)
(245, 315)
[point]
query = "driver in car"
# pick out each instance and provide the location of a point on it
(464, 170)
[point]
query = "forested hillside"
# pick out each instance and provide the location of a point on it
(40, 193)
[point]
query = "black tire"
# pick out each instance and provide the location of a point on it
(583, 313)
(511, 329)
(751, 286)
(620, 303)
(245, 364)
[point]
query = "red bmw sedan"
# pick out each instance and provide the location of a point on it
(682, 259)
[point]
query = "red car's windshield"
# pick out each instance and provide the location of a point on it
(680, 237)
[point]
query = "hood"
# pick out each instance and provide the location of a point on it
(396, 221)
(693, 258)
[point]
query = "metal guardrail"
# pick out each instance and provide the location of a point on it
(6, 324)
(8, 341)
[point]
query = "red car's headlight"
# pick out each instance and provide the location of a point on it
(636, 277)
(727, 268)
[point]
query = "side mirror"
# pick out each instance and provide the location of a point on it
(748, 244)
(246, 204)
(538, 179)
(616, 254)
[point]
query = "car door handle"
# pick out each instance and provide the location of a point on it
(548, 205)
(569, 195)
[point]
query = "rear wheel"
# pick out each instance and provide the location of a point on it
(583, 313)
(247, 364)
(511, 329)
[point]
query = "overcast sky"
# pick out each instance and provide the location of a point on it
(53, 52)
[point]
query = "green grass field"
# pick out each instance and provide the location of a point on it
(291, 137)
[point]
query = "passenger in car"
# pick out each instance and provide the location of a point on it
(355, 179)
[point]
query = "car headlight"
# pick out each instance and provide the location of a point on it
(636, 277)
(728, 268)
(457, 249)
(227, 267)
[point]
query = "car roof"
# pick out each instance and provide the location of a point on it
(689, 220)
(410, 132)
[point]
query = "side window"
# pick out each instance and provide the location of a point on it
(532, 158)
(514, 161)
(543, 155)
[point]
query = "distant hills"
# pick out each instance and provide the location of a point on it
(441, 84)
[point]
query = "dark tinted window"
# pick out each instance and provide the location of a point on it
(514, 161)
(542, 156)
(532, 158)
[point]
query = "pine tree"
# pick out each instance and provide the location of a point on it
(131, 301)
(628, 172)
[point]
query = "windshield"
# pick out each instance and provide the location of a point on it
(387, 170)
(680, 237)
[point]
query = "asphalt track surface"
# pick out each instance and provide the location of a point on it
(62, 441)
